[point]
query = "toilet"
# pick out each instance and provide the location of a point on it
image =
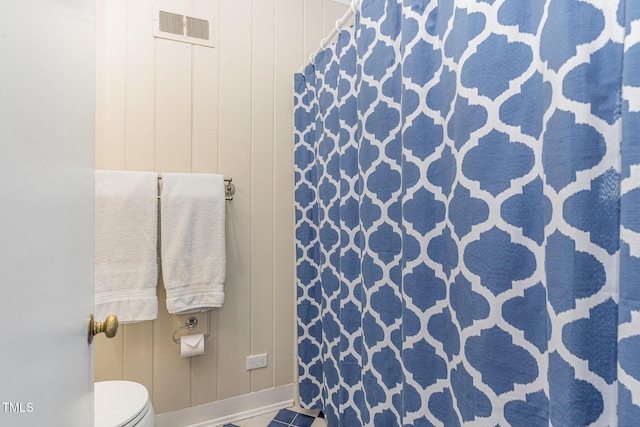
(122, 404)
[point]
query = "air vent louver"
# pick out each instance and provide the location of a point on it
(171, 23)
(178, 26)
(198, 28)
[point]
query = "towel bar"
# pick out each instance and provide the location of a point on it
(229, 188)
(191, 323)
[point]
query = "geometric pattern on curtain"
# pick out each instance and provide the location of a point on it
(468, 215)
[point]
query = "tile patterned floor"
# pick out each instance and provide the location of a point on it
(292, 417)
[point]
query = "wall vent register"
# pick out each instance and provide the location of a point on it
(179, 26)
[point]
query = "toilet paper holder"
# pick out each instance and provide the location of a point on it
(191, 324)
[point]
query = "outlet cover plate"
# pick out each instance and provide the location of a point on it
(256, 361)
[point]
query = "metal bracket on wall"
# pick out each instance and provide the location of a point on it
(190, 324)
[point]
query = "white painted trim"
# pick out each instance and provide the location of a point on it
(229, 410)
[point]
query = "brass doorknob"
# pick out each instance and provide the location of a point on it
(109, 327)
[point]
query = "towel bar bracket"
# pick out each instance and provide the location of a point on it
(191, 324)
(229, 188)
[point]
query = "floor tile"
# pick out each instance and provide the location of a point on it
(285, 416)
(271, 415)
(259, 422)
(310, 412)
(290, 417)
(302, 420)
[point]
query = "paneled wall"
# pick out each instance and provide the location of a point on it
(168, 106)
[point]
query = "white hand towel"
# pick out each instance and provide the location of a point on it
(126, 241)
(192, 217)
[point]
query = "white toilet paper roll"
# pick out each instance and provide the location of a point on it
(191, 345)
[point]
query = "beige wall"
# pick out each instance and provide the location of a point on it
(174, 107)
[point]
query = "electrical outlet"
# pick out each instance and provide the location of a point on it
(257, 361)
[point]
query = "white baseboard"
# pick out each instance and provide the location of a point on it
(229, 410)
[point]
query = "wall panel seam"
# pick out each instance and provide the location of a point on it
(191, 145)
(125, 131)
(273, 198)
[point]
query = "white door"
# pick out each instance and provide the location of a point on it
(46, 212)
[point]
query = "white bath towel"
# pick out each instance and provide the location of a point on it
(192, 218)
(126, 245)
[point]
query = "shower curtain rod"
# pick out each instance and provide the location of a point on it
(340, 23)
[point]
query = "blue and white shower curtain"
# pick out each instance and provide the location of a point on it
(468, 215)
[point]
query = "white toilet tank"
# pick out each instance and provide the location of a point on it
(122, 404)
